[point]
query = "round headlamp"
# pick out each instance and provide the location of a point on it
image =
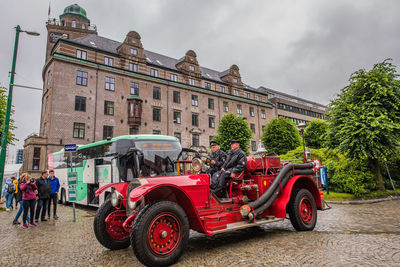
(197, 164)
(115, 198)
(131, 204)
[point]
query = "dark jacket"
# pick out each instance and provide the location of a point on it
(44, 188)
(219, 157)
(18, 196)
(235, 161)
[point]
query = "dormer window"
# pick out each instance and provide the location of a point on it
(134, 51)
(191, 67)
(73, 24)
(235, 80)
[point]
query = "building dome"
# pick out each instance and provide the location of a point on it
(74, 10)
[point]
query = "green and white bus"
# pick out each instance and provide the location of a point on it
(108, 161)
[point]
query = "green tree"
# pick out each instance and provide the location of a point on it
(365, 117)
(280, 136)
(233, 127)
(315, 133)
(3, 106)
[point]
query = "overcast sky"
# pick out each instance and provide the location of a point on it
(304, 48)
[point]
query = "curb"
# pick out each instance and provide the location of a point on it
(363, 201)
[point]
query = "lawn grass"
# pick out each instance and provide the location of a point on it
(346, 196)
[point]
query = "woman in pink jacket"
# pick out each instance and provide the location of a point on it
(29, 189)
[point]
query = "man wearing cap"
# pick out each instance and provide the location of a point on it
(217, 158)
(235, 163)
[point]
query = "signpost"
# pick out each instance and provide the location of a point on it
(72, 177)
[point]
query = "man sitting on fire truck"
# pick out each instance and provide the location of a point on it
(235, 163)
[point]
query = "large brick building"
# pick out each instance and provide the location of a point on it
(96, 88)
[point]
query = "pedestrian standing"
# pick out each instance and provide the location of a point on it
(55, 187)
(44, 191)
(18, 199)
(8, 192)
(15, 181)
(29, 189)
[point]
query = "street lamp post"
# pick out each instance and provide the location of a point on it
(302, 126)
(4, 138)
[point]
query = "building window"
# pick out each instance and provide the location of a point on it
(134, 51)
(107, 132)
(154, 72)
(133, 67)
(48, 77)
(222, 89)
(263, 114)
(174, 77)
(253, 146)
(177, 117)
(80, 103)
(108, 61)
(195, 119)
(235, 92)
(211, 122)
(260, 98)
(133, 130)
(36, 158)
(134, 88)
(211, 103)
(251, 111)
(195, 100)
(81, 54)
(81, 78)
(83, 26)
(73, 24)
(44, 129)
(253, 127)
(195, 140)
(178, 135)
(108, 108)
(191, 67)
(177, 97)
(226, 106)
(157, 132)
(79, 130)
(248, 95)
(156, 114)
(110, 83)
(46, 103)
(239, 109)
(235, 80)
(207, 85)
(191, 81)
(156, 93)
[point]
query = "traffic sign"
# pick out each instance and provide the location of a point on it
(72, 178)
(70, 148)
(72, 194)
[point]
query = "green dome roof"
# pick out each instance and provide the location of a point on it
(75, 10)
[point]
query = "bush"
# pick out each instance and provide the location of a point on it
(298, 154)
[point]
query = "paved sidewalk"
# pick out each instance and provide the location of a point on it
(346, 235)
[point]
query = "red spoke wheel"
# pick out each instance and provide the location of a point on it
(302, 210)
(160, 233)
(108, 228)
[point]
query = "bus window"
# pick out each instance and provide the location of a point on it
(126, 168)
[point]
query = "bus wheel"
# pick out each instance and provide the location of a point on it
(160, 233)
(110, 234)
(302, 210)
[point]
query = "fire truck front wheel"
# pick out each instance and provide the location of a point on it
(110, 234)
(160, 233)
(302, 210)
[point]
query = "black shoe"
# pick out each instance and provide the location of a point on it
(55, 217)
(44, 220)
(36, 220)
(16, 222)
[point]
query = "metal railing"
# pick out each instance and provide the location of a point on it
(55, 22)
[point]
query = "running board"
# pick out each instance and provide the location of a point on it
(245, 224)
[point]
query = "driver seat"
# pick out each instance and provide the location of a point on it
(235, 177)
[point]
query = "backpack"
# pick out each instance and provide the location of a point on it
(11, 188)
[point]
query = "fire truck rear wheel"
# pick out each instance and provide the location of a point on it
(302, 210)
(105, 233)
(160, 233)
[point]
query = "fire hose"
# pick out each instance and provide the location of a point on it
(265, 201)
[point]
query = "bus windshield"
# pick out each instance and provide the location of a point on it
(159, 157)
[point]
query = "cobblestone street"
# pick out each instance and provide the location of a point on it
(346, 235)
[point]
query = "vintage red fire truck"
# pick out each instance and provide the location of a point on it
(162, 195)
